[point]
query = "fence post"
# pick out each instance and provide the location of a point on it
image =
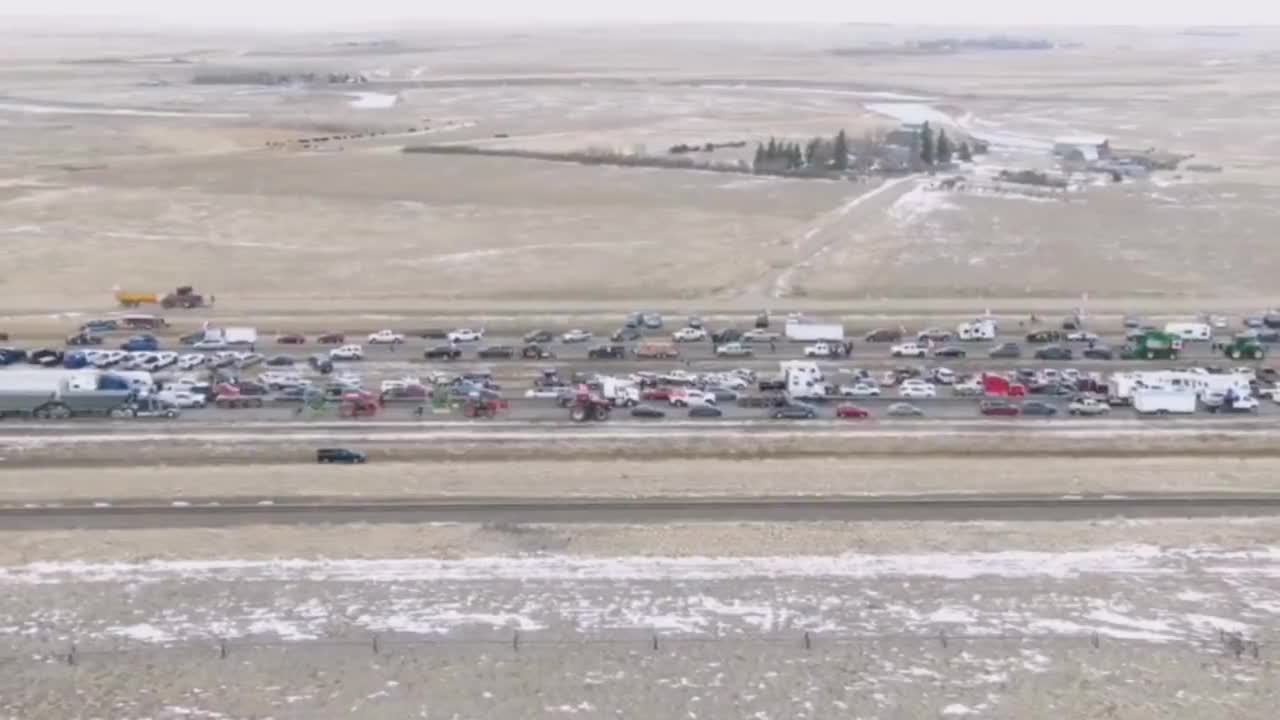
(375, 644)
(808, 642)
(942, 637)
(1094, 640)
(222, 648)
(655, 641)
(515, 640)
(71, 655)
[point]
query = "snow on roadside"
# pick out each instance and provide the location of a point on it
(373, 100)
(1135, 560)
(919, 203)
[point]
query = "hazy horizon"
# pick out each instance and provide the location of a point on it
(292, 14)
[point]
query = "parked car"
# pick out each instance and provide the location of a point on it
(794, 412)
(331, 339)
(705, 411)
(385, 337)
(535, 351)
(998, 408)
(442, 352)
(1088, 406)
(465, 335)
(576, 336)
(852, 412)
(291, 339)
(734, 349)
(538, 336)
(950, 351)
(210, 344)
(1038, 409)
(1005, 350)
(647, 412)
(917, 390)
(908, 350)
(903, 410)
(1053, 352)
(607, 352)
(883, 335)
(341, 455)
(1044, 336)
(860, 390)
(347, 352)
(497, 352)
(83, 339)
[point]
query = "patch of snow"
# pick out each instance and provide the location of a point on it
(373, 100)
(951, 615)
(42, 109)
(957, 709)
(918, 204)
(912, 112)
(142, 632)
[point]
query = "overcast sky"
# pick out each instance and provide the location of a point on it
(310, 13)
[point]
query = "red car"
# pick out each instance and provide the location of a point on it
(998, 409)
(852, 412)
(332, 339)
(291, 339)
(656, 393)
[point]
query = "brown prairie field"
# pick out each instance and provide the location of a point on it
(118, 170)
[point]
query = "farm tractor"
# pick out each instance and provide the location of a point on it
(1241, 348)
(588, 405)
(359, 404)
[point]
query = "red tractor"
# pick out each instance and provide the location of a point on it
(588, 405)
(359, 404)
(479, 408)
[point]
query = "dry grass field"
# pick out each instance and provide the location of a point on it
(118, 170)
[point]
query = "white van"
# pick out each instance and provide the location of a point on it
(1190, 330)
(977, 330)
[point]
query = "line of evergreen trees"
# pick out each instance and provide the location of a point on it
(819, 154)
(941, 150)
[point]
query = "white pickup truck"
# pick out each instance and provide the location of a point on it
(909, 350)
(386, 337)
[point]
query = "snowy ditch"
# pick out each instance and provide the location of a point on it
(1138, 593)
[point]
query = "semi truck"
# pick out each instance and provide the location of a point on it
(67, 400)
(814, 332)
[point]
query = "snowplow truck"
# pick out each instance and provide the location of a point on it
(1153, 345)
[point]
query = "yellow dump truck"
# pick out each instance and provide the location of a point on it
(131, 298)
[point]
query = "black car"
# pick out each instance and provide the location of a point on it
(442, 352)
(1038, 409)
(429, 333)
(84, 339)
(727, 335)
(45, 357)
(795, 412)
(9, 356)
(1052, 388)
(291, 394)
(340, 455)
(707, 411)
(1053, 352)
(535, 351)
(280, 361)
(539, 336)
(626, 334)
(1044, 336)
(254, 389)
(949, 351)
(883, 335)
(607, 352)
(1005, 350)
(1099, 352)
(644, 411)
(321, 364)
(191, 339)
(496, 352)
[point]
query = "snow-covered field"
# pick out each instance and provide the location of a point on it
(931, 631)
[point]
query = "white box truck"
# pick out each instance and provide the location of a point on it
(240, 336)
(814, 332)
(1197, 331)
(1164, 402)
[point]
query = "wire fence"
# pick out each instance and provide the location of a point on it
(1229, 644)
